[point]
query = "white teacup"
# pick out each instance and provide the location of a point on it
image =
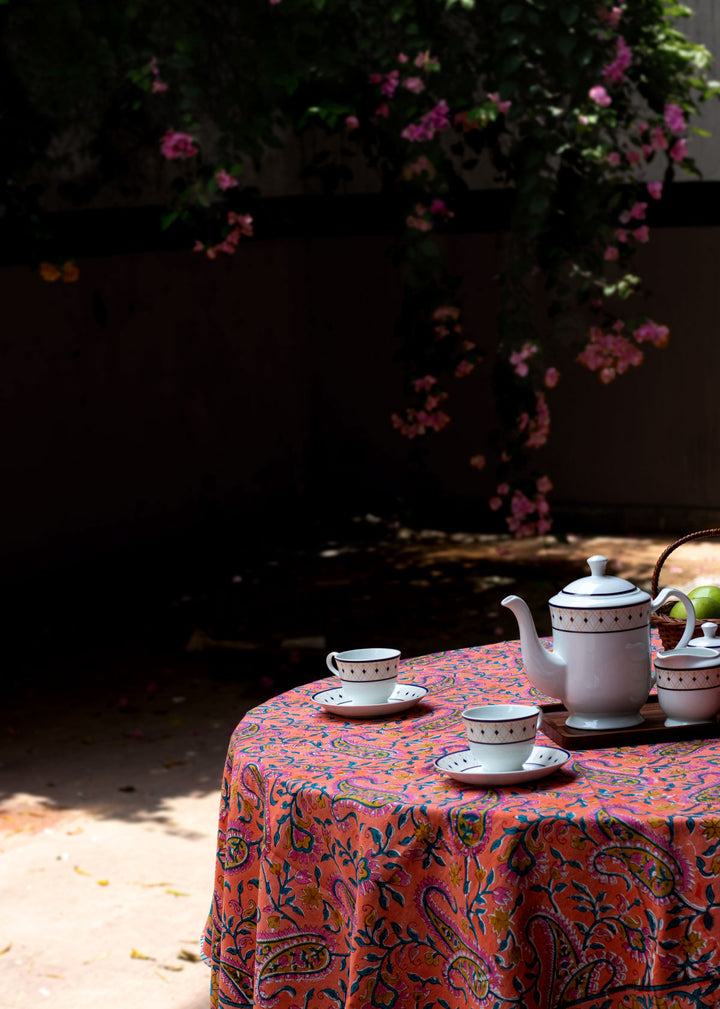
(688, 684)
(368, 675)
(502, 736)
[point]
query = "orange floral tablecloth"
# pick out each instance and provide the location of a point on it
(351, 874)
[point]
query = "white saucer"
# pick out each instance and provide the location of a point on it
(404, 696)
(463, 766)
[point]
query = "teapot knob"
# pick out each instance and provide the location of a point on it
(597, 565)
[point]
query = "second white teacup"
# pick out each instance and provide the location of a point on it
(368, 675)
(501, 736)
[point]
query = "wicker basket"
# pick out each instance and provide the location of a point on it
(671, 629)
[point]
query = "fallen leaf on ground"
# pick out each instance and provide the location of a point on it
(173, 763)
(171, 966)
(95, 958)
(81, 872)
(103, 882)
(140, 956)
(7, 949)
(186, 954)
(162, 976)
(177, 893)
(136, 882)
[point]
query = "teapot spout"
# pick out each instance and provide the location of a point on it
(544, 668)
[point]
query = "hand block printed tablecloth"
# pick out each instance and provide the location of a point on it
(351, 874)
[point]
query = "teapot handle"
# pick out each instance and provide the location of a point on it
(662, 596)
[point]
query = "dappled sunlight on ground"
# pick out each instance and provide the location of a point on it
(111, 760)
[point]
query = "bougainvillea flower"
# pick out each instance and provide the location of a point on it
(224, 179)
(178, 145)
(675, 118)
(599, 95)
(678, 151)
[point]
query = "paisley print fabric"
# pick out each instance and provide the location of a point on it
(351, 875)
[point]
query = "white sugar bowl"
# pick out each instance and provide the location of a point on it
(688, 684)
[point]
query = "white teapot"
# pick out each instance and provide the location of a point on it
(600, 664)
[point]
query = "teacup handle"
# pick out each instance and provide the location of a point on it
(330, 664)
(662, 596)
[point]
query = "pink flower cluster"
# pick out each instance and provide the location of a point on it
(502, 107)
(522, 507)
(240, 224)
(425, 384)
(518, 358)
(615, 71)
(442, 317)
(418, 422)
(462, 120)
(414, 84)
(178, 145)
(446, 312)
(424, 61)
(434, 121)
(537, 427)
(611, 16)
(651, 332)
(635, 213)
(420, 221)
(654, 139)
(388, 82)
(417, 167)
(158, 85)
(599, 95)
(675, 119)
(225, 180)
(610, 354)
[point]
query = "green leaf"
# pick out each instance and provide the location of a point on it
(167, 219)
(569, 14)
(538, 204)
(511, 62)
(509, 13)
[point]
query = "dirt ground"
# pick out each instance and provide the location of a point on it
(112, 748)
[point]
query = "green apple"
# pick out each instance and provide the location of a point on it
(705, 599)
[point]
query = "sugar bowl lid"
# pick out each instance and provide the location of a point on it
(708, 640)
(598, 590)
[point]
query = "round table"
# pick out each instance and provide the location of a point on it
(351, 874)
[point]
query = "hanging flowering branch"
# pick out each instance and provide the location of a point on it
(582, 109)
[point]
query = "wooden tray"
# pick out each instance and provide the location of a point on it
(652, 729)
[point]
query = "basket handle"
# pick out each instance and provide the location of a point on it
(673, 546)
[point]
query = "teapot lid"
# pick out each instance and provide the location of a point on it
(598, 589)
